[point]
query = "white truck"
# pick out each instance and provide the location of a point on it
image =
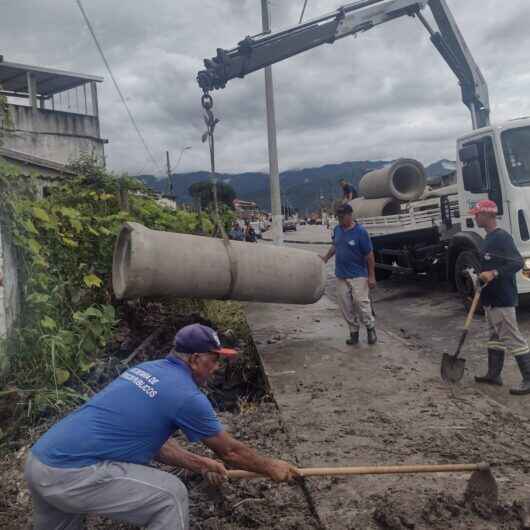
(493, 161)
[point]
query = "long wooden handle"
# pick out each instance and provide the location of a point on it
(371, 470)
(472, 310)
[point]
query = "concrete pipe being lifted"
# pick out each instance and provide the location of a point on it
(151, 263)
(404, 180)
(374, 207)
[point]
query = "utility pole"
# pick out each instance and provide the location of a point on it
(169, 180)
(276, 203)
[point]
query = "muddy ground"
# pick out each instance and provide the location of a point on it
(362, 406)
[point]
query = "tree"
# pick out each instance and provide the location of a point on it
(202, 192)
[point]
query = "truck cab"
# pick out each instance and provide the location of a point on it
(494, 163)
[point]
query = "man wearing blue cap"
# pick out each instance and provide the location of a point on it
(96, 460)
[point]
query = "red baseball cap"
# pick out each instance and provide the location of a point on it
(485, 206)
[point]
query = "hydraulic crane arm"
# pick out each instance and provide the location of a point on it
(259, 51)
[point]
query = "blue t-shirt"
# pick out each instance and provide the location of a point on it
(351, 246)
(131, 419)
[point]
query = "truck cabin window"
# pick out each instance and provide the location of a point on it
(516, 147)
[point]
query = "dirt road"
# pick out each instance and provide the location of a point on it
(387, 405)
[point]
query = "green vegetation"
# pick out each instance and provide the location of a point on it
(64, 243)
(202, 193)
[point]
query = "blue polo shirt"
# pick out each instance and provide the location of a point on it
(131, 419)
(351, 248)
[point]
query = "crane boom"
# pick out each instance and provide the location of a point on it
(257, 52)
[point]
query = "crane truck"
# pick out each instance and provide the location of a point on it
(493, 161)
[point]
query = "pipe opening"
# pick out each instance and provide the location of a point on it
(407, 180)
(121, 262)
(392, 208)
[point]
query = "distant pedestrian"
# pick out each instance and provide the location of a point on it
(237, 233)
(250, 233)
(355, 272)
(348, 191)
(499, 262)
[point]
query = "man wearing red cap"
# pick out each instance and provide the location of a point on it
(500, 261)
(96, 460)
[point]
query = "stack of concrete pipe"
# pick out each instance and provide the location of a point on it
(151, 263)
(383, 190)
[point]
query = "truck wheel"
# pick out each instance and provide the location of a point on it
(467, 259)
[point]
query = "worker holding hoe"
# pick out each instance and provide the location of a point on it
(96, 460)
(355, 272)
(500, 261)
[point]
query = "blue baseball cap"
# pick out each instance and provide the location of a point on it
(197, 338)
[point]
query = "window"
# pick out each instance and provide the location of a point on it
(487, 162)
(516, 147)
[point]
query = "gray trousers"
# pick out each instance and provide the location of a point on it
(353, 296)
(132, 493)
(504, 331)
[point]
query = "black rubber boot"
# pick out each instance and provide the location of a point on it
(524, 366)
(354, 339)
(495, 366)
(372, 336)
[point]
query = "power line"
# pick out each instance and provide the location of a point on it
(107, 65)
(303, 11)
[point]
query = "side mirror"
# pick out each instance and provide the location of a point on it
(472, 176)
(469, 153)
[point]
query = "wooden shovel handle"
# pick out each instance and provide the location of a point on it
(372, 470)
(472, 309)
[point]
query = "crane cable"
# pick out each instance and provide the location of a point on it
(211, 121)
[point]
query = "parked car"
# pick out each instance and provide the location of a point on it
(289, 226)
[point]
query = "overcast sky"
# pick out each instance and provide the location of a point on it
(382, 95)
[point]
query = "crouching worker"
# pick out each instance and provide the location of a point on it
(500, 261)
(96, 460)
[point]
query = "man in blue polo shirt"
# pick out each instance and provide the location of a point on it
(96, 460)
(355, 272)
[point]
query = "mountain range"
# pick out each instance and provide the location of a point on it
(302, 189)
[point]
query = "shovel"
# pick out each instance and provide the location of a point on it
(452, 365)
(481, 484)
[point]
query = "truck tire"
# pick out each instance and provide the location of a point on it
(465, 260)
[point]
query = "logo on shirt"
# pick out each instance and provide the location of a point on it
(143, 380)
(351, 243)
(487, 256)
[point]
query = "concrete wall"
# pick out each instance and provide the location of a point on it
(9, 292)
(53, 135)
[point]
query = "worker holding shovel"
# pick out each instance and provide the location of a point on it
(96, 460)
(500, 261)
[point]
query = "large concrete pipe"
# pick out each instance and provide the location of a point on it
(375, 207)
(160, 264)
(452, 189)
(404, 179)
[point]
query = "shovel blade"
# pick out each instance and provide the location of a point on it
(452, 368)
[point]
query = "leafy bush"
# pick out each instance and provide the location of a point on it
(65, 244)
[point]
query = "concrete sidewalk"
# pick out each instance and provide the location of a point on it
(383, 405)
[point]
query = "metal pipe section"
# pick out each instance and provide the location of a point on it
(375, 207)
(151, 263)
(404, 179)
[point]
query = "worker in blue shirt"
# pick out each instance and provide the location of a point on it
(348, 191)
(97, 459)
(355, 272)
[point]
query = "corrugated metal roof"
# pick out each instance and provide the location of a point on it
(13, 78)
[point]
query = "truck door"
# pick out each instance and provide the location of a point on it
(480, 177)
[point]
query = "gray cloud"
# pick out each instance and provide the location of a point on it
(384, 94)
